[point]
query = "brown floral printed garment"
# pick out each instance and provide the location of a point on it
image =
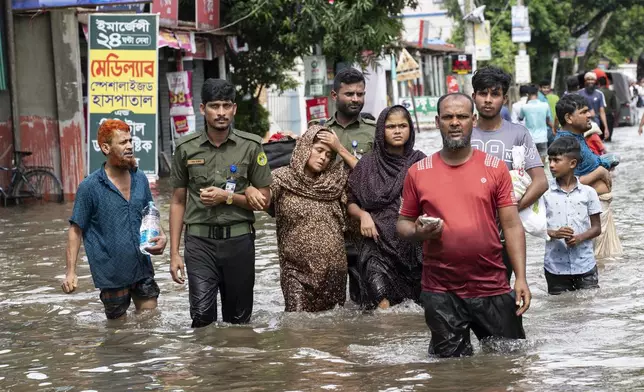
(310, 215)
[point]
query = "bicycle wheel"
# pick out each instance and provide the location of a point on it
(40, 184)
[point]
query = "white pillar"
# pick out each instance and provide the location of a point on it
(222, 67)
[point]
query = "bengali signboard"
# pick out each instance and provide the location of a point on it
(168, 11)
(38, 4)
(182, 113)
(207, 14)
(426, 109)
(122, 83)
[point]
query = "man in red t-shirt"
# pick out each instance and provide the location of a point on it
(464, 279)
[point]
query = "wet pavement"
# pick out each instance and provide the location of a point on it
(49, 341)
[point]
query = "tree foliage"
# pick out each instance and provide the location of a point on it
(556, 24)
(279, 31)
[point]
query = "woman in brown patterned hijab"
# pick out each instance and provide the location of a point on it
(308, 200)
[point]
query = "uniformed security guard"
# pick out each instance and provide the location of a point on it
(356, 134)
(210, 171)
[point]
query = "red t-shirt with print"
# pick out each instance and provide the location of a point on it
(467, 259)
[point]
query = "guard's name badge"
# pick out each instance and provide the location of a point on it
(196, 161)
(262, 160)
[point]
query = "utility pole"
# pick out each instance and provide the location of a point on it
(522, 50)
(469, 45)
(13, 83)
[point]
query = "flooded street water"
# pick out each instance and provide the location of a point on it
(50, 341)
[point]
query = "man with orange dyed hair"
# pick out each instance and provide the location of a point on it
(107, 214)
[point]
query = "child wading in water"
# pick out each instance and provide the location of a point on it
(573, 212)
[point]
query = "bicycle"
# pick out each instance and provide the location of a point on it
(37, 182)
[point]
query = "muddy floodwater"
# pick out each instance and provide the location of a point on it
(50, 341)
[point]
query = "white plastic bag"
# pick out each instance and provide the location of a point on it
(534, 217)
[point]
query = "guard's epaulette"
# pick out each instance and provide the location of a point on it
(368, 121)
(248, 136)
(187, 138)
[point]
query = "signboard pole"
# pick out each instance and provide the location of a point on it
(123, 84)
(411, 87)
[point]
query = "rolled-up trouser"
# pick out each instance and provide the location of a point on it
(227, 265)
(450, 319)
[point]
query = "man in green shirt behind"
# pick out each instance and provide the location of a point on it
(612, 107)
(211, 169)
(552, 98)
(355, 132)
(356, 135)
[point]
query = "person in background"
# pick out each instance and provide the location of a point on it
(612, 107)
(389, 266)
(505, 113)
(594, 141)
(596, 101)
(497, 137)
(573, 215)
(538, 119)
(516, 107)
(464, 283)
(356, 135)
(572, 85)
(107, 215)
(576, 117)
(552, 101)
(308, 200)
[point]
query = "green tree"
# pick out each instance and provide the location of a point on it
(277, 32)
(555, 26)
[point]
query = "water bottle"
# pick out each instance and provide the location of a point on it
(150, 226)
(231, 183)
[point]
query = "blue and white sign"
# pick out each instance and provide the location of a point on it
(21, 5)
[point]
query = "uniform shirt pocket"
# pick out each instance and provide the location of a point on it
(198, 175)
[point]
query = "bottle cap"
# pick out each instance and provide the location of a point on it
(233, 169)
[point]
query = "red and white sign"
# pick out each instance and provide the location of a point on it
(168, 11)
(317, 109)
(452, 84)
(180, 89)
(207, 17)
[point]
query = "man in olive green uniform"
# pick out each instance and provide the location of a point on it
(356, 134)
(210, 172)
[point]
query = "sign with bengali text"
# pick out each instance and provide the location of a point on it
(123, 83)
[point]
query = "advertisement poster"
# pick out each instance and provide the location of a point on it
(207, 17)
(22, 5)
(462, 64)
(122, 83)
(317, 109)
(426, 109)
(315, 75)
(452, 84)
(521, 31)
(168, 11)
(482, 41)
(182, 113)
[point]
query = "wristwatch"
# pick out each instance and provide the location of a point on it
(229, 200)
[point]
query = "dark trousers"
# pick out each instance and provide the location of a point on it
(450, 319)
(353, 272)
(610, 120)
(558, 284)
(227, 265)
